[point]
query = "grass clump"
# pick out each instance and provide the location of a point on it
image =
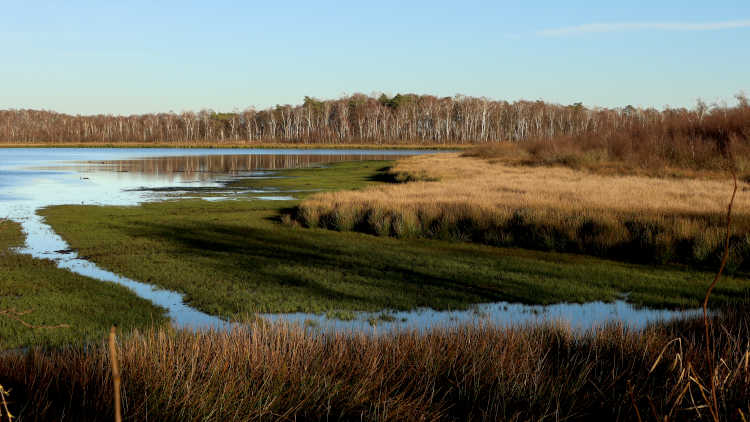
(634, 218)
(381, 318)
(41, 304)
(341, 315)
(471, 372)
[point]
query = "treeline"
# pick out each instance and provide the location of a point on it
(402, 119)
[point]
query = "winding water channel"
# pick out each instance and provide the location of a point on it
(34, 178)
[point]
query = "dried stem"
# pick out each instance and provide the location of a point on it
(115, 372)
(714, 405)
(3, 393)
(632, 400)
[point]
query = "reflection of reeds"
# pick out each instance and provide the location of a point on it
(629, 217)
(475, 372)
(205, 166)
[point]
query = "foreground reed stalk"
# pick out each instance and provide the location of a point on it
(115, 373)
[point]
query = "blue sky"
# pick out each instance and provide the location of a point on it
(136, 57)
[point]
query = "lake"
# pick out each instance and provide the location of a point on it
(34, 178)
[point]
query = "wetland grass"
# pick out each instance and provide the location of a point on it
(41, 304)
(232, 258)
(281, 372)
(468, 198)
(475, 372)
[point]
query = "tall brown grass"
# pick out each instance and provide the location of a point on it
(475, 372)
(633, 217)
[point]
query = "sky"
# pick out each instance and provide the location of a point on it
(139, 57)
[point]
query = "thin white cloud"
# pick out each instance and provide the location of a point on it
(635, 26)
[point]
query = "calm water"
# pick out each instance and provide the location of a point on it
(31, 179)
(576, 315)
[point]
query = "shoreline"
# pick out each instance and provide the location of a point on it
(234, 145)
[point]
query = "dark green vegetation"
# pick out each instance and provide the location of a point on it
(61, 306)
(635, 239)
(236, 257)
(477, 372)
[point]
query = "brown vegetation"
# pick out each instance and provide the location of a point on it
(699, 139)
(678, 134)
(553, 208)
(477, 372)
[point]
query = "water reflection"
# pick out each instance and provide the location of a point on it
(579, 316)
(208, 166)
(31, 179)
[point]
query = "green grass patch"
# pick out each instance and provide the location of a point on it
(235, 257)
(45, 296)
(336, 176)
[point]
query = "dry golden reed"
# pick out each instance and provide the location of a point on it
(473, 372)
(554, 208)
